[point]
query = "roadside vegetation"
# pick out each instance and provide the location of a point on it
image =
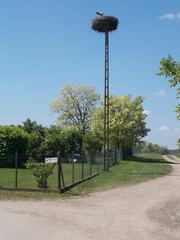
(148, 147)
(139, 168)
(79, 129)
(177, 155)
(79, 126)
(27, 180)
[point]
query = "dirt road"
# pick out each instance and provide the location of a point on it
(146, 211)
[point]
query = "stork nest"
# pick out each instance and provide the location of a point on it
(105, 24)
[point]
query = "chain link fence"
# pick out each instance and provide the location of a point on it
(62, 171)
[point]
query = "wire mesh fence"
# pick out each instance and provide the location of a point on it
(79, 166)
(59, 172)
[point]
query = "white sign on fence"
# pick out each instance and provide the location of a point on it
(51, 160)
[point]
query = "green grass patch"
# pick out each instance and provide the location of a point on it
(27, 180)
(177, 155)
(140, 168)
(11, 195)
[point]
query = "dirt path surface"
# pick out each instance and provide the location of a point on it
(146, 211)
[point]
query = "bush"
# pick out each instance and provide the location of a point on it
(92, 141)
(12, 139)
(63, 140)
(40, 171)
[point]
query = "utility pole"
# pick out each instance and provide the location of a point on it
(105, 24)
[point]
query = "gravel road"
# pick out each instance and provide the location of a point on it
(146, 211)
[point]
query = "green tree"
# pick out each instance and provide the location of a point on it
(171, 70)
(178, 142)
(127, 121)
(75, 106)
(36, 147)
(53, 140)
(92, 141)
(72, 138)
(63, 140)
(12, 139)
(150, 147)
(30, 126)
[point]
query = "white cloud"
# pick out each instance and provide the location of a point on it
(147, 112)
(164, 129)
(170, 16)
(160, 93)
(178, 15)
(176, 130)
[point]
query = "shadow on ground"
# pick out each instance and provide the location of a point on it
(148, 160)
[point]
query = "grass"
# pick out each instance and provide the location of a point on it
(26, 179)
(140, 168)
(177, 155)
(10, 195)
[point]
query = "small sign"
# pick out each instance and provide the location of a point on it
(51, 160)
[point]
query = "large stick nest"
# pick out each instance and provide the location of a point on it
(105, 23)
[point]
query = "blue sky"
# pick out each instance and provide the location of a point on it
(45, 44)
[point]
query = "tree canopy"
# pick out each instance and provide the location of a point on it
(171, 70)
(36, 147)
(12, 139)
(75, 105)
(127, 121)
(64, 140)
(150, 147)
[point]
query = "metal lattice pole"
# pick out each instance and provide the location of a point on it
(106, 104)
(105, 24)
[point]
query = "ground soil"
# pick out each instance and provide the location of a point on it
(145, 211)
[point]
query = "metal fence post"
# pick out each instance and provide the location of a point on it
(59, 171)
(98, 160)
(90, 168)
(72, 170)
(82, 166)
(16, 169)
